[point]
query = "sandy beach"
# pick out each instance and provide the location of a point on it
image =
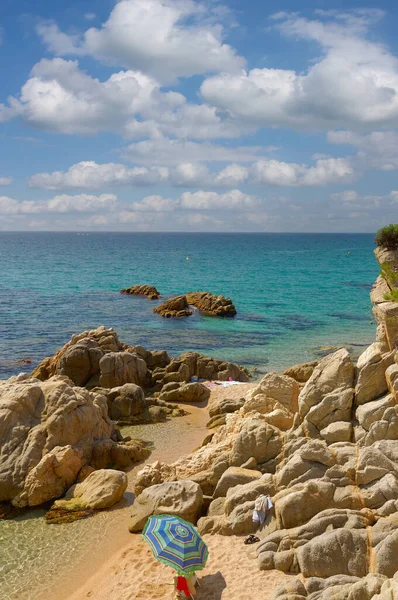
(231, 573)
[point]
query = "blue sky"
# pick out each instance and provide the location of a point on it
(180, 115)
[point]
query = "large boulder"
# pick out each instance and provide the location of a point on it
(79, 358)
(235, 476)
(182, 498)
(127, 404)
(256, 439)
(371, 379)
(175, 307)
(189, 392)
(118, 368)
(277, 397)
(142, 290)
(48, 432)
(211, 304)
(301, 372)
(328, 395)
(101, 489)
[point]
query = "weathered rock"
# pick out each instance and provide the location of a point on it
(256, 439)
(211, 304)
(142, 290)
(277, 397)
(102, 489)
(235, 476)
(118, 368)
(51, 477)
(84, 364)
(301, 372)
(392, 379)
(182, 498)
(189, 392)
(175, 307)
(340, 431)
(225, 406)
(337, 552)
(371, 379)
(127, 404)
(48, 432)
(328, 395)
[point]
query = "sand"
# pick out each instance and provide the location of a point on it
(132, 573)
(231, 573)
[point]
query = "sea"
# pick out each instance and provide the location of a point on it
(296, 295)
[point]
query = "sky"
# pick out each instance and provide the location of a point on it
(198, 115)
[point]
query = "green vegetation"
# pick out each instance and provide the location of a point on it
(392, 296)
(389, 275)
(387, 237)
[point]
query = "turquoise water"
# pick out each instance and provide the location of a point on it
(294, 293)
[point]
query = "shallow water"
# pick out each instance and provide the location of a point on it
(293, 292)
(36, 559)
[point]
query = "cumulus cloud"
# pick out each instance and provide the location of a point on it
(378, 149)
(4, 181)
(90, 175)
(166, 38)
(83, 203)
(60, 97)
(200, 200)
(354, 84)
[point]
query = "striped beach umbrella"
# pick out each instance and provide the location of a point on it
(176, 543)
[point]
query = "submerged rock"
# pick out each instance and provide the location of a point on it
(142, 290)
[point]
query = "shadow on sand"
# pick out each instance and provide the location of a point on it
(211, 587)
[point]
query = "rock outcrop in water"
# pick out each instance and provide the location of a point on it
(175, 308)
(142, 290)
(211, 304)
(49, 433)
(324, 446)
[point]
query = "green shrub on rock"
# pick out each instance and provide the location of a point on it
(387, 237)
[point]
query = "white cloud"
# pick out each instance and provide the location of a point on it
(83, 203)
(4, 181)
(155, 204)
(166, 38)
(171, 151)
(325, 171)
(90, 16)
(60, 97)
(200, 200)
(354, 84)
(90, 175)
(378, 149)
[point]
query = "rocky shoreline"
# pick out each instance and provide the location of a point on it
(320, 439)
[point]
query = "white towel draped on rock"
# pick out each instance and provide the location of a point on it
(261, 506)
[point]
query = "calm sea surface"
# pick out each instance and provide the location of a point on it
(294, 293)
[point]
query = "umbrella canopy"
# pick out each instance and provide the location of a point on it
(176, 543)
